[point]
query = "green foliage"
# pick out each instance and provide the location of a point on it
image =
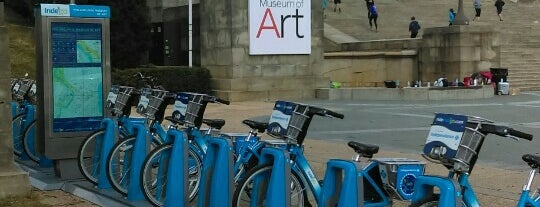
(172, 78)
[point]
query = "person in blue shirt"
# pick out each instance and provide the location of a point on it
(451, 16)
(373, 14)
(414, 26)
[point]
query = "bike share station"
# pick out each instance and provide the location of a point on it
(73, 76)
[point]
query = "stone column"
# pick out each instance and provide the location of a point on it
(239, 76)
(13, 181)
(458, 51)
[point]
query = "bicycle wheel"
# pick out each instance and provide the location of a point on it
(119, 163)
(154, 174)
(89, 155)
(18, 130)
(243, 192)
(29, 142)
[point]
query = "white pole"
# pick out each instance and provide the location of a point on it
(190, 33)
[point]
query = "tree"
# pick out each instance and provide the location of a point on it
(130, 32)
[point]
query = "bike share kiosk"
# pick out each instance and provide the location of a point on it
(73, 74)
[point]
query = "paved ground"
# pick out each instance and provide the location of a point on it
(400, 128)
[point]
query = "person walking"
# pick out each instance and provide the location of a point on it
(337, 5)
(324, 4)
(478, 8)
(451, 16)
(373, 14)
(499, 4)
(369, 3)
(414, 26)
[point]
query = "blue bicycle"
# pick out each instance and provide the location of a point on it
(375, 189)
(23, 93)
(455, 189)
(155, 164)
(526, 198)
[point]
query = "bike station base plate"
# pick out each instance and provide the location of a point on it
(45, 179)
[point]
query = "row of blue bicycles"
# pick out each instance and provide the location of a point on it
(168, 158)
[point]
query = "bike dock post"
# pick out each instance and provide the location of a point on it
(137, 158)
(107, 142)
(341, 185)
(178, 169)
(216, 187)
(278, 192)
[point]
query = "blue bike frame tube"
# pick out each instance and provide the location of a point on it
(160, 131)
(364, 174)
(199, 139)
(468, 193)
(302, 164)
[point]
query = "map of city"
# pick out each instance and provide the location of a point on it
(77, 92)
(88, 51)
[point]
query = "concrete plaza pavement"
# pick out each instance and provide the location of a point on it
(400, 129)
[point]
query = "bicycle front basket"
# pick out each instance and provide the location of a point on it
(295, 130)
(468, 147)
(194, 107)
(124, 93)
(154, 103)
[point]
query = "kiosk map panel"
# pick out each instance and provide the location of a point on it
(77, 76)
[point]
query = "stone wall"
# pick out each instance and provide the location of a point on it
(239, 76)
(451, 52)
(458, 51)
(370, 69)
(14, 181)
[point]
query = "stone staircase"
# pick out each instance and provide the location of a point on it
(520, 30)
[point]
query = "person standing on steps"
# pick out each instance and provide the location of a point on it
(337, 5)
(414, 26)
(478, 8)
(499, 4)
(373, 14)
(368, 5)
(324, 4)
(451, 16)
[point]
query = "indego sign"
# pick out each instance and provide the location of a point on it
(279, 27)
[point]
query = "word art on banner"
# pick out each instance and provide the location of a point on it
(279, 27)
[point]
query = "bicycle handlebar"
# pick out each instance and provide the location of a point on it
(505, 131)
(326, 112)
(519, 134)
(222, 101)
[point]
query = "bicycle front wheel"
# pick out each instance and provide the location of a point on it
(29, 142)
(119, 163)
(89, 155)
(256, 181)
(154, 174)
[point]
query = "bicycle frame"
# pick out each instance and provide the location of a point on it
(526, 199)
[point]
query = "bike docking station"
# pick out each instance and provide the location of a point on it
(73, 77)
(341, 185)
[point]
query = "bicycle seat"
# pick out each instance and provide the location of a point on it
(259, 126)
(365, 150)
(214, 123)
(174, 121)
(532, 160)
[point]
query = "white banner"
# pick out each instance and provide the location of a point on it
(279, 27)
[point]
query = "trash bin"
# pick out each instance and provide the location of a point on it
(390, 84)
(498, 74)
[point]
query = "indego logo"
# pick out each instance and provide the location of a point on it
(279, 31)
(57, 11)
